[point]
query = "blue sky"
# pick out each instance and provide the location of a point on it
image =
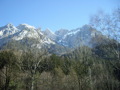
(52, 14)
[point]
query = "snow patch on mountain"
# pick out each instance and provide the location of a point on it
(25, 26)
(72, 32)
(25, 34)
(7, 30)
(79, 36)
(37, 38)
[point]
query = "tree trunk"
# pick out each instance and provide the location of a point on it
(32, 83)
(90, 77)
(7, 83)
(79, 83)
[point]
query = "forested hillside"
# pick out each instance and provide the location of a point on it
(82, 69)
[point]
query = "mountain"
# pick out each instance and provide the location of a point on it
(62, 41)
(60, 33)
(85, 35)
(22, 33)
(7, 30)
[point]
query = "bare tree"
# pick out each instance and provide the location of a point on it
(109, 24)
(30, 63)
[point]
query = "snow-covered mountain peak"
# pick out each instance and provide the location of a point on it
(7, 30)
(38, 38)
(9, 25)
(79, 36)
(25, 26)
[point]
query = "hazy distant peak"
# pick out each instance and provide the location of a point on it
(61, 32)
(48, 31)
(86, 27)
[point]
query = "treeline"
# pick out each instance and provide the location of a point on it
(83, 69)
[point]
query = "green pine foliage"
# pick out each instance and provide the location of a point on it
(82, 69)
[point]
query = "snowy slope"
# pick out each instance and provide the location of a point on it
(21, 32)
(7, 30)
(80, 36)
(33, 37)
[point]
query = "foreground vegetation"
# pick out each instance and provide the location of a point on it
(82, 69)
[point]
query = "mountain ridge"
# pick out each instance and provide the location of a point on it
(23, 31)
(61, 39)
